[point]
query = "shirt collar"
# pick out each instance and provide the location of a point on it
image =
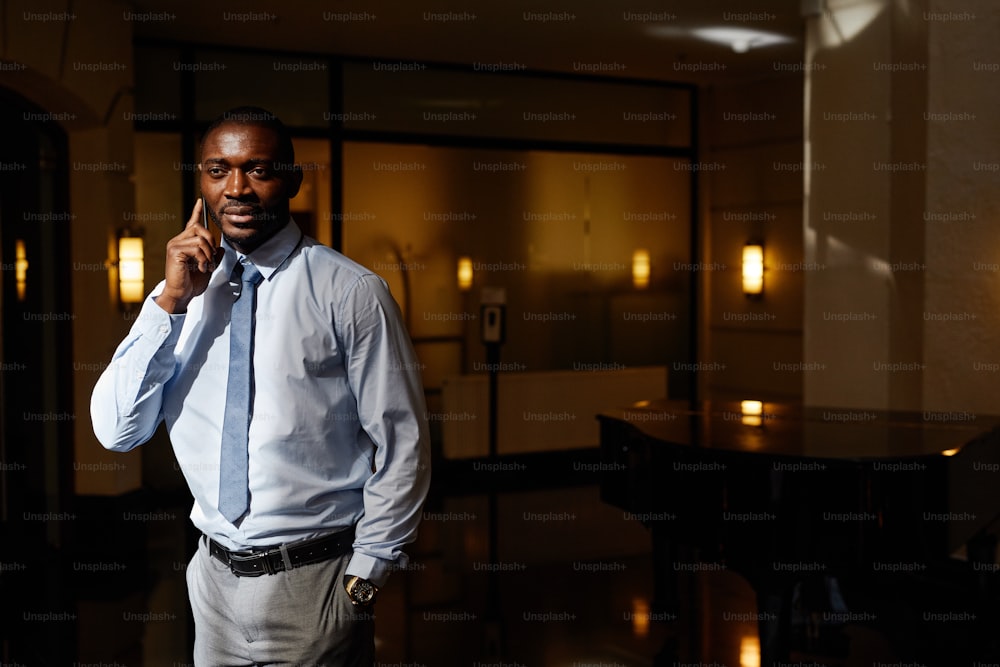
(269, 256)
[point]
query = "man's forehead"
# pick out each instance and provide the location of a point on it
(234, 136)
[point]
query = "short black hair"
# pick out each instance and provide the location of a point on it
(258, 117)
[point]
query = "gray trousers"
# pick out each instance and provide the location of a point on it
(298, 618)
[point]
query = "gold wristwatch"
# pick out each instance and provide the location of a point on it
(361, 591)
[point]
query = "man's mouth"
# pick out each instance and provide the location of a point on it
(240, 215)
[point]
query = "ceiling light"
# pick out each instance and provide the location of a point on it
(740, 40)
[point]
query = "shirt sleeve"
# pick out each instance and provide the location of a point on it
(126, 405)
(384, 375)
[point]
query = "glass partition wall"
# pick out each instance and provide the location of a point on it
(561, 190)
(557, 231)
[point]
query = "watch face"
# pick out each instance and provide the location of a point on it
(363, 591)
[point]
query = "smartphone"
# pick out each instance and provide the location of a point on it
(204, 213)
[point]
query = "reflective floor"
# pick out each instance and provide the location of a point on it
(539, 576)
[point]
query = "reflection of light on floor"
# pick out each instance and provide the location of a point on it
(750, 651)
(640, 618)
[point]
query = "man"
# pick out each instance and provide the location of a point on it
(300, 427)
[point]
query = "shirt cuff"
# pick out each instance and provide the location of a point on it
(375, 570)
(157, 324)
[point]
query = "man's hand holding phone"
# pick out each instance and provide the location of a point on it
(192, 256)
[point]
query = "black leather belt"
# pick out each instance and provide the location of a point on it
(271, 560)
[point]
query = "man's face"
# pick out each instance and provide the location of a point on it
(245, 185)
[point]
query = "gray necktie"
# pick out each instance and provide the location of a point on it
(234, 491)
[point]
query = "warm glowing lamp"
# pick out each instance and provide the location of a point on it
(750, 651)
(465, 273)
(640, 617)
(21, 269)
(130, 270)
(640, 269)
(752, 412)
(753, 270)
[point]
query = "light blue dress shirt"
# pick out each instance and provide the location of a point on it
(339, 429)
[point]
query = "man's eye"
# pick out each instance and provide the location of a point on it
(258, 171)
(216, 171)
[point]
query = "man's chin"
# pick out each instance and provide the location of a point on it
(247, 238)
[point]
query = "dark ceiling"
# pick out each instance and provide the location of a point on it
(639, 39)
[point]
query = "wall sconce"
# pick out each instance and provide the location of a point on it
(21, 269)
(750, 651)
(752, 413)
(131, 269)
(465, 273)
(640, 618)
(753, 270)
(640, 269)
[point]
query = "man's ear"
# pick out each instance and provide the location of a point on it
(294, 180)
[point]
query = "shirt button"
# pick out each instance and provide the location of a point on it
(164, 329)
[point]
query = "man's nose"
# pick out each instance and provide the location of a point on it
(237, 184)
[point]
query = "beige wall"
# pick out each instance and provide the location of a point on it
(847, 227)
(962, 235)
(754, 130)
(902, 309)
